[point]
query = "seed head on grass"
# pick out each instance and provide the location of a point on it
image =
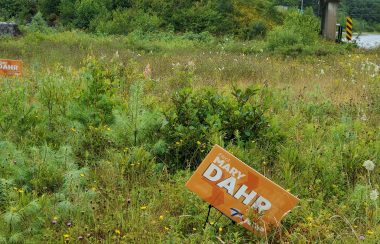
(374, 195)
(369, 165)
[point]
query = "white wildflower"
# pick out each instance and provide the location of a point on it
(374, 195)
(369, 165)
(322, 72)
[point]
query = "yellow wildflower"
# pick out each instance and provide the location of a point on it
(370, 232)
(177, 143)
(81, 175)
(161, 217)
(20, 190)
(143, 207)
(166, 228)
(199, 143)
(194, 229)
(66, 236)
(73, 130)
(212, 223)
(310, 218)
(220, 229)
(117, 232)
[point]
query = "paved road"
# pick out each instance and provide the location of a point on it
(368, 40)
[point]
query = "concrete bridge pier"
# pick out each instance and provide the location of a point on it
(329, 9)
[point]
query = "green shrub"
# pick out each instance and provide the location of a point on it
(299, 31)
(256, 30)
(87, 11)
(67, 12)
(200, 115)
(123, 22)
(38, 24)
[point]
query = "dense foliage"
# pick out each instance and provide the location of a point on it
(244, 18)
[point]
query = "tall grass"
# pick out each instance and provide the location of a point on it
(86, 151)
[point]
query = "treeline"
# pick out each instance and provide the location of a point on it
(366, 13)
(245, 18)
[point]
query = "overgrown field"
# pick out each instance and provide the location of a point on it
(99, 137)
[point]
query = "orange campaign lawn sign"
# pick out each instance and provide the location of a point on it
(10, 67)
(240, 192)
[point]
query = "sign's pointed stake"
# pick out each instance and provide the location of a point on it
(208, 215)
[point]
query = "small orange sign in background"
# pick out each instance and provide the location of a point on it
(10, 67)
(233, 188)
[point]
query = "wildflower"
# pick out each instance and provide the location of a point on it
(161, 217)
(108, 128)
(374, 195)
(117, 232)
(212, 223)
(361, 237)
(20, 190)
(69, 224)
(194, 229)
(143, 207)
(126, 149)
(370, 232)
(177, 143)
(54, 222)
(369, 165)
(81, 175)
(310, 218)
(66, 236)
(220, 229)
(80, 238)
(166, 228)
(199, 143)
(73, 130)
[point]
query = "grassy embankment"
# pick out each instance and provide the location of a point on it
(87, 148)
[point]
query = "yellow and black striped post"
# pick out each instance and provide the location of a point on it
(349, 28)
